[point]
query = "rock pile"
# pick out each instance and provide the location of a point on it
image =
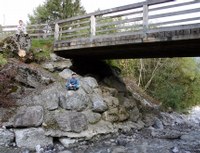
(45, 112)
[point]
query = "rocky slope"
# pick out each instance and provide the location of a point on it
(38, 114)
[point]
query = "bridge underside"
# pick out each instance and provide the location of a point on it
(177, 48)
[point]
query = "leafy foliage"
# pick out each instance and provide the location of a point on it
(174, 82)
(53, 10)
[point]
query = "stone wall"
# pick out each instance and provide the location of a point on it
(45, 111)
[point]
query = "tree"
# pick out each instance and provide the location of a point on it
(174, 82)
(53, 10)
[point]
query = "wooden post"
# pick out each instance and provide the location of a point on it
(56, 33)
(92, 25)
(145, 18)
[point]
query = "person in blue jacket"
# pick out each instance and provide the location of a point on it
(73, 83)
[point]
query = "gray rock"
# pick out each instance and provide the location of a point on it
(92, 117)
(111, 115)
(112, 102)
(71, 121)
(119, 150)
(86, 87)
(175, 150)
(98, 105)
(91, 82)
(32, 77)
(49, 98)
(129, 103)
(54, 57)
(39, 149)
(101, 127)
(193, 136)
(29, 117)
(48, 66)
(6, 137)
(75, 100)
(57, 66)
(30, 138)
(67, 142)
(172, 119)
(158, 124)
(149, 119)
(134, 114)
(66, 74)
(166, 134)
(61, 65)
(123, 114)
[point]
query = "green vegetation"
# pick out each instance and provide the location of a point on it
(3, 60)
(41, 49)
(174, 82)
(53, 10)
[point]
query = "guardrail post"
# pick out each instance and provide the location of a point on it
(145, 18)
(92, 25)
(56, 33)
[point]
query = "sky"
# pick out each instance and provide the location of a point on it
(13, 10)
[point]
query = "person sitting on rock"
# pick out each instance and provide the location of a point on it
(21, 28)
(73, 83)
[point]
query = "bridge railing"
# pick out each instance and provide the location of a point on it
(139, 18)
(34, 31)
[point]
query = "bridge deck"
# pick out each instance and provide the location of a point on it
(177, 43)
(141, 30)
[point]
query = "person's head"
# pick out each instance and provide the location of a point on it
(21, 22)
(73, 75)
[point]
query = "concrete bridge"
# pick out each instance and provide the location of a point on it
(153, 28)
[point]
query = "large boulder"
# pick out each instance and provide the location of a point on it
(90, 81)
(71, 121)
(29, 117)
(6, 137)
(92, 117)
(101, 127)
(98, 104)
(115, 112)
(57, 66)
(75, 100)
(30, 138)
(48, 97)
(32, 76)
(66, 74)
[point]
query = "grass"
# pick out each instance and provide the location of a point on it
(41, 49)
